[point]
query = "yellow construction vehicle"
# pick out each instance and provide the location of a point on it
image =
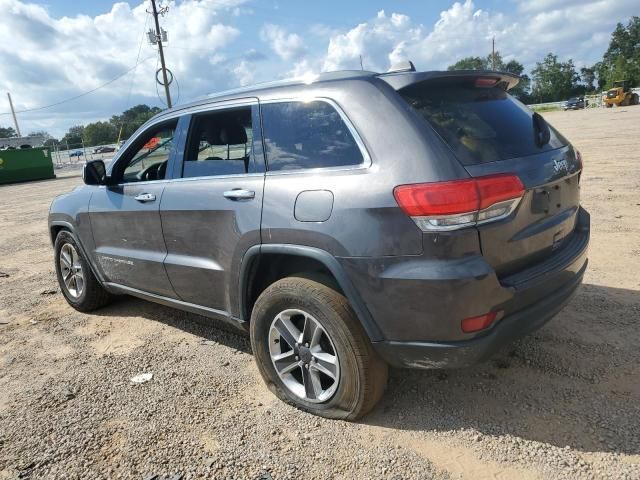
(620, 95)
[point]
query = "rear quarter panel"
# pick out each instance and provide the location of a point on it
(365, 219)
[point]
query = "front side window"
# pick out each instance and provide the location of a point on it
(220, 143)
(301, 135)
(148, 157)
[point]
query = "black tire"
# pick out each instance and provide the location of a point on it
(93, 295)
(363, 374)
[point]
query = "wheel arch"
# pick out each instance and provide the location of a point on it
(251, 269)
(56, 226)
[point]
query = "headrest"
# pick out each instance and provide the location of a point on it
(226, 132)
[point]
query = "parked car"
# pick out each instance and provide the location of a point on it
(575, 103)
(413, 219)
(104, 150)
(76, 153)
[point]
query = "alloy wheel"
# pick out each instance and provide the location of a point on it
(304, 356)
(71, 270)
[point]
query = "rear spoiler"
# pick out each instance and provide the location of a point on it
(400, 80)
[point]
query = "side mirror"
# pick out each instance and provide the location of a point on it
(94, 173)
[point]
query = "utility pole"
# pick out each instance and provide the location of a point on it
(13, 112)
(493, 53)
(161, 51)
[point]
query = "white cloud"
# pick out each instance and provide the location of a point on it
(286, 45)
(244, 72)
(46, 59)
(376, 40)
(213, 47)
(571, 31)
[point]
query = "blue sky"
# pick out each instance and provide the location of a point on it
(54, 50)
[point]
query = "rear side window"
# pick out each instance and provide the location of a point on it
(220, 143)
(302, 135)
(480, 124)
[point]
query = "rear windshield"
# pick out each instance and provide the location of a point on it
(480, 124)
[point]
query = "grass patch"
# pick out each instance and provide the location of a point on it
(545, 108)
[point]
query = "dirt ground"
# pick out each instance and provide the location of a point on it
(562, 403)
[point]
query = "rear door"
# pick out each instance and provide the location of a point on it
(490, 132)
(125, 217)
(211, 215)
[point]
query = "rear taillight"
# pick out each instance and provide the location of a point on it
(460, 203)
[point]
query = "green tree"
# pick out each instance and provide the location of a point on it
(7, 132)
(554, 80)
(131, 119)
(50, 142)
(588, 77)
(469, 63)
(100, 133)
(521, 91)
(74, 137)
(621, 61)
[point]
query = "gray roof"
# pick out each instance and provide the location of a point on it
(397, 80)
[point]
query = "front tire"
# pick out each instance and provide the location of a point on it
(312, 351)
(79, 286)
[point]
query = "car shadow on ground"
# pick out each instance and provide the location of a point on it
(208, 329)
(576, 383)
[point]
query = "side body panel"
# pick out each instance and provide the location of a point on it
(207, 233)
(129, 246)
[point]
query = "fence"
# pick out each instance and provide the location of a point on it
(76, 154)
(591, 101)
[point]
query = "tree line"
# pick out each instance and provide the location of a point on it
(552, 80)
(118, 127)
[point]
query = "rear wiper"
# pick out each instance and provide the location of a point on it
(542, 133)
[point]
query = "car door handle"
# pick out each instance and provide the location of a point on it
(145, 197)
(239, 194)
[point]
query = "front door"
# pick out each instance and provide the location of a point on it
(125, 216)
(211, 216)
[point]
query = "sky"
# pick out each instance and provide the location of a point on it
(55, 50)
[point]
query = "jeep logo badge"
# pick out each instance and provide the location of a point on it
(559, 165)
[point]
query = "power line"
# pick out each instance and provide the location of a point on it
(80, 95)
(133, 77)
(155, 13)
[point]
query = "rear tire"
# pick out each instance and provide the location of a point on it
(79, 286)
(359, 374)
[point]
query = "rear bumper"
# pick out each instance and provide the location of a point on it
(418, 303)
(469, 352)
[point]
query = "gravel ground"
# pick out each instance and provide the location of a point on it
(562, 403)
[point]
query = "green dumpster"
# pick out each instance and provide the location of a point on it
(25, 164)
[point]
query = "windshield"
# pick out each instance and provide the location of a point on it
(480, 124)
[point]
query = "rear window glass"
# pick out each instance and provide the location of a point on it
(300, 135)
(479, 124)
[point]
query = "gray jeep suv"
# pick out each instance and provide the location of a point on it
(413, 219)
